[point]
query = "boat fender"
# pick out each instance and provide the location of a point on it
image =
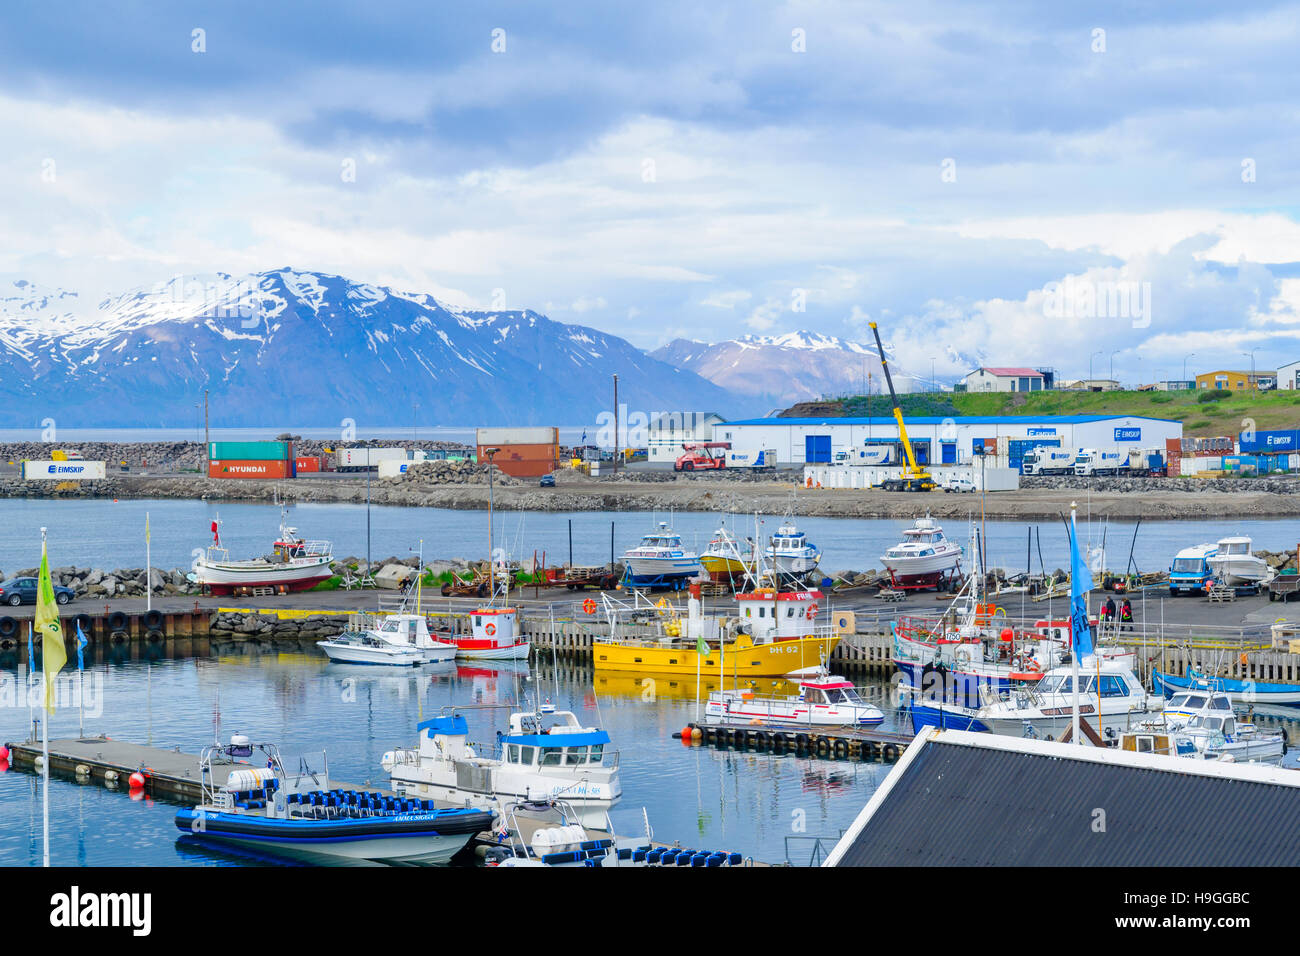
(8, 626)
(823, 746)
(841, 748)
(891, 751)
(117, 621)
(154, 636)
(763, 739)
(740, 738)
(153, 619)
(801, 741)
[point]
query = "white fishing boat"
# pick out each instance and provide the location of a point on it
(662, 556)
(493, 635)
(400, 639)
(925, 557)
(1206, 719)
(1111, 699)
(822, 701)
(790, 554)
(1236, 566)
(727, 558)
(294, 565)
(545, 755)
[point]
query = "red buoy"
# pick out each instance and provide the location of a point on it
(4, 753)
(136, 781)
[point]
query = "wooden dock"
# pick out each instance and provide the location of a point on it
(168, 773)
(831, 743)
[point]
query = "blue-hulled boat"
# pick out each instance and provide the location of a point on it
(946, 716)
(300, 816)
(1239, 691)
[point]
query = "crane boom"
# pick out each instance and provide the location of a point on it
(912, 467)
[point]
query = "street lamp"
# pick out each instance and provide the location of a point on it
(1090, 358)
(933, 384)
(1251, 353)
(1111, 374)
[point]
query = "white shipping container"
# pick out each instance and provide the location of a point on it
(63, 470)
(393, 468)
(364, 457)
(764, 458)
(518, 436)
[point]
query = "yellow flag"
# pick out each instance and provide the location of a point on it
(53, 653)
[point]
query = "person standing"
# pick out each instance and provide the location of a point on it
(1126, 616)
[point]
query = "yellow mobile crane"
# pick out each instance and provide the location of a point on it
(915, 478)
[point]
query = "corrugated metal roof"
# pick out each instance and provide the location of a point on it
(960, 420)
(1011, 372)
(958, 804)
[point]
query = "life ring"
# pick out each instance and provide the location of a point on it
(8, 626)
(812, 611)
(117, 621)
(490, 630)
(1033, 667)
(589, 606)
(153, 619)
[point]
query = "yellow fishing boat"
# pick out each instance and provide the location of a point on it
(774, 633)
(727, 559)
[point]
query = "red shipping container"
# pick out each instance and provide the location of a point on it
(233, 468)
(308, 464)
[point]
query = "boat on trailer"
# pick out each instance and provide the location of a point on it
(300, 816)
(925, 558)
(295, 564)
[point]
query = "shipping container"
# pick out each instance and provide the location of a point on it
(517, 436)
(309, 463)
(65, 470)
(250, 450)
(243, 468)
(350, 459)
(524, 461)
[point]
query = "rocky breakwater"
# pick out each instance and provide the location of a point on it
(1279, 485)
(251, 627)
(122, 582)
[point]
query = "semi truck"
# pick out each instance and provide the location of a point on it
(359, 459)
(1045, 460)
(869, 455)
(1134, 462)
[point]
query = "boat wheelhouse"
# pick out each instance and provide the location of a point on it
(1110, 697)
(791, 555)
(661, 556)
(822, 701)
(494, 634)
(544, 755)
(1235, 565)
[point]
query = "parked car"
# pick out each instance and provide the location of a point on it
(548, 481)
(959, 483)
(23, 591)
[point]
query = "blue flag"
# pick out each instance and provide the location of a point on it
(1080, 585)
(584, 437)
(81, 644)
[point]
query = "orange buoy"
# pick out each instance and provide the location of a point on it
(4, 766)
(136, 781)
(4, 753)
(1007, 634)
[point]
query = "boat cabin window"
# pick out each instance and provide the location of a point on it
(1221, 703)
(527, 754)
(1195, 701)
(512, 753)
(1146, 745)
(1088, 687)
(1178, 701)
(1048, 685)
(552, 756)
(1112, 685)
(789, 612)
(1229, 725)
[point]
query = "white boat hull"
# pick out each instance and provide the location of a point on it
(511, 652)
(346, 653)
(424, 851)
(1242, 571)
(297, 575)
(658, 567)
(928, 564)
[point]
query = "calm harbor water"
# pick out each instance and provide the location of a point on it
(705, 798)
(107, 534)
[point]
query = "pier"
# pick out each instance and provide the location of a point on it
(838, 743)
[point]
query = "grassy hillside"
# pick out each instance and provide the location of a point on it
(1224, 415)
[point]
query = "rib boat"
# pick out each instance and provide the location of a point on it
(298, 815)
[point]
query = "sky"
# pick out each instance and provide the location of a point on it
(1103, 189)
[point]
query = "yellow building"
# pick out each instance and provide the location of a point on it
(1234, 380)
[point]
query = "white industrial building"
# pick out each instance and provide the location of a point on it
(1005, 380)
(1288, 376)
(667, 432)
(954, 441)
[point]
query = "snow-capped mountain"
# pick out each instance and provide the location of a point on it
(794, 367)
(287, 348)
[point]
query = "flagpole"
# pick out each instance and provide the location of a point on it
(45, 751)
(1074, 637)
(31, 672)
(148, 567)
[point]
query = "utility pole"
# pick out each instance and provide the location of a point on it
(616, 424)
(206, 439)
(492, 564)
